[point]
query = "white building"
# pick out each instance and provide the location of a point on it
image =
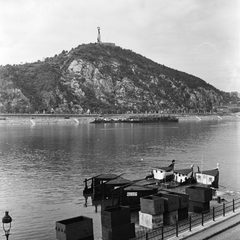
(209, 177)
(161, 173)
(182, 175)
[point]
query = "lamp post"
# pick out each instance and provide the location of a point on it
(6, 220)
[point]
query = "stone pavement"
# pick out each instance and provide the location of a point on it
(212, 228)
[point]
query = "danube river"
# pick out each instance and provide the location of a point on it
(43, 166)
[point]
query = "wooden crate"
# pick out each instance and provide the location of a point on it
(199, 194)
(122, 232)
(152, 205)
(150, 221)
(183, 199)
(170, 218)
(182, 214)
(171, 202)
(115, 216)
(74, 228)
(198, 207)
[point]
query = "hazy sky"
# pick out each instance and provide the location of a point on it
(200, 37)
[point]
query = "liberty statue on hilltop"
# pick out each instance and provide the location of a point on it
(99, 36)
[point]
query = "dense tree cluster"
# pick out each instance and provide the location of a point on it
(49, 84)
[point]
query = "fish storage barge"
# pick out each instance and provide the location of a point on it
(126, 192)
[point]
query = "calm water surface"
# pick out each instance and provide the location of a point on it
(42, 167)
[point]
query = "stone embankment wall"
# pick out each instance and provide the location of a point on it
(44, 119)
(33, 119)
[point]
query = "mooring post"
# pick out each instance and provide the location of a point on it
(85, 181)
(176, 228)
(202, 218)
(213, 212)
(146, 235)
(224, 209)
(233, 206)
(190, 223)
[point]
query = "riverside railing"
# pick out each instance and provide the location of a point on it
(193, 221)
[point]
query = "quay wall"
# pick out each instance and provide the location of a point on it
(33, 119)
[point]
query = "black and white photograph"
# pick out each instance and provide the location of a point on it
(119, 119)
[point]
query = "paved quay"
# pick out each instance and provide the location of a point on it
(212, 228)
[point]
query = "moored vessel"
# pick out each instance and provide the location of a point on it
(128, 192)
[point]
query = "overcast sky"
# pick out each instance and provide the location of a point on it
(200, 37)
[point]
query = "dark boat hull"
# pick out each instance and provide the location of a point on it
(137, 120)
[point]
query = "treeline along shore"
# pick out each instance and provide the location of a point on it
(87, 118)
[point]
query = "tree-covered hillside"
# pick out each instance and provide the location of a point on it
(103, 79)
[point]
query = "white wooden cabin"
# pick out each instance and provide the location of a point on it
(209, 177)
(182, 175)
(161, 173)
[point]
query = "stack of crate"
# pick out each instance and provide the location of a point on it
(116, 223)
(199, 198)
(183, 204)
(171, 206)
(151, 214)
(78, 228)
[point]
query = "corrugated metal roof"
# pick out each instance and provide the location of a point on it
(167, 169)
(183, 171)
(213, 172)
(137, 188)
(118, 181)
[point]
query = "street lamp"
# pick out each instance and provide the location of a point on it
(6, 220)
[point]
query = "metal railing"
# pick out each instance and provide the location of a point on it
(188, 224)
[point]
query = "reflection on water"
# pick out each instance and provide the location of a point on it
(43, 166)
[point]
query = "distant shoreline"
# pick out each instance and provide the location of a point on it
(33, 119)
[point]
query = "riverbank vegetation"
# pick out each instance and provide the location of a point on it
(102, 79)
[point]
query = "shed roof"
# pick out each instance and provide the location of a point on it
(184, 171)
(135, 188)
(118, 181)
(213, 172)
(166, 169)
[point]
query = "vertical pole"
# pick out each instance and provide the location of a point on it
(213, 212)
(224, 209)
(190, 223)
(93, 188)
(162, 233)
(146, 235)
(233, 206)
(177, 229)
(112, 199)
(103, 190)
(121, 196)
(202, 219)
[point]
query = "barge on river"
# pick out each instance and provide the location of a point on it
(128, 192)
(137, 119)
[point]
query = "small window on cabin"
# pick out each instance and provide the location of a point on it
(210, 179)
(199, 176)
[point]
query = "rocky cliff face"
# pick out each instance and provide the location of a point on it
(104, 79)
